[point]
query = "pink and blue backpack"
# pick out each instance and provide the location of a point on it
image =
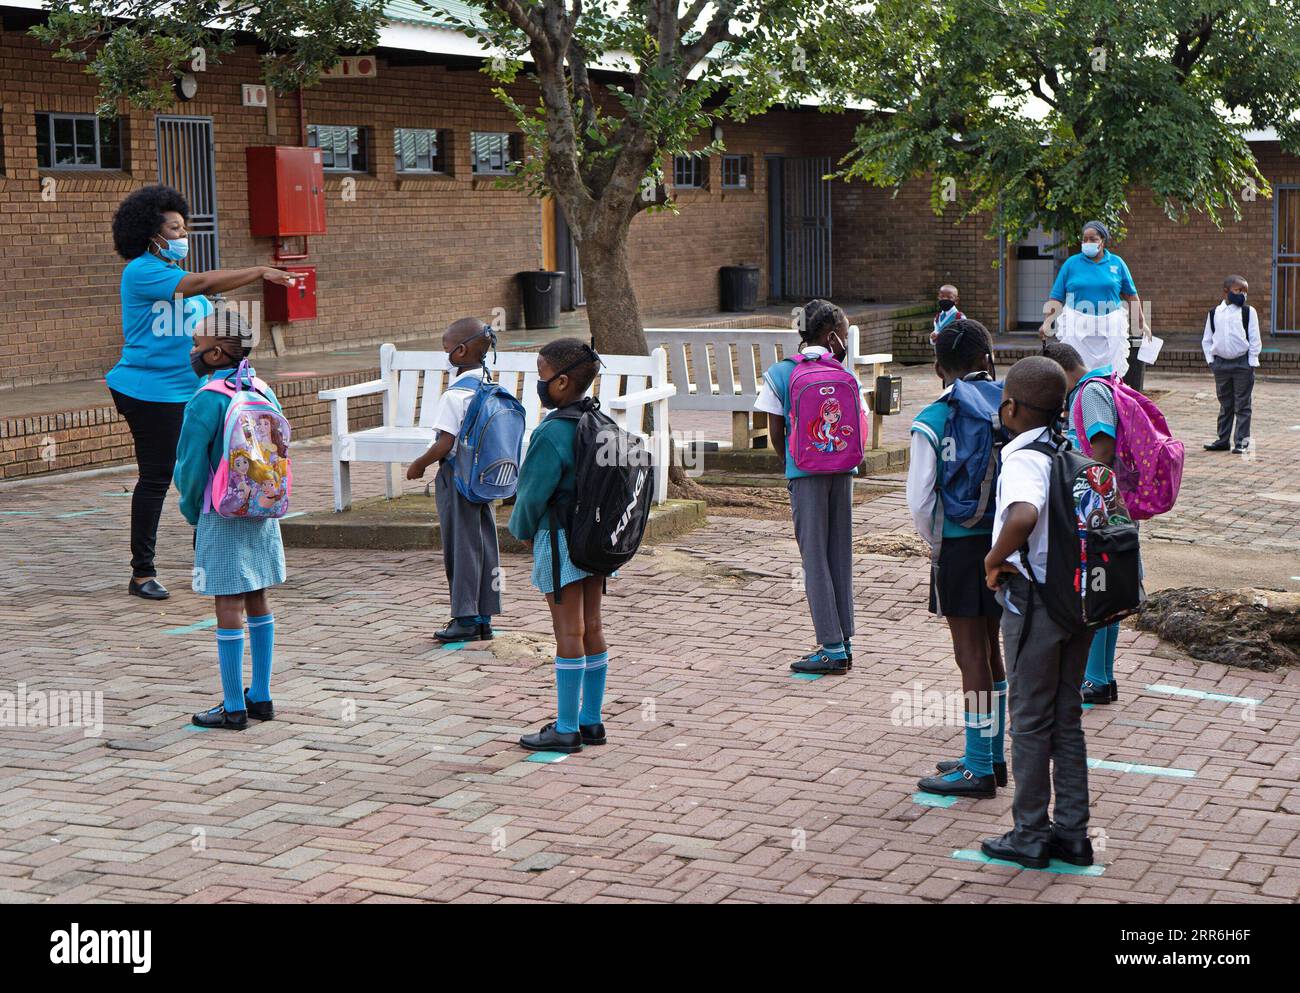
(828, 421)
(253, 477)
(1148, 459)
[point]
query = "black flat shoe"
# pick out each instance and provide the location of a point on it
(999, 769)
(485, 632)
(457, 630)
(548, 739)
(1216, 446)
(592, 734)
(1074, 852)
(819, 663)
(220, 717)
(967, 785)
(1004, 848)
(264, 711)
(150, 589)
(1114, 691)
(1094, 694)
(1240, 449)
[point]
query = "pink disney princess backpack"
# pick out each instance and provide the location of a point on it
(828, 424)
(1148, 459)
(254, 477)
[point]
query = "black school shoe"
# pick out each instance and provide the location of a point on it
(220, 717)
(1216, 446)
(821, 664)
(1099, 694)
(848, 657)
(264, 711)
(592, 734)
(999, 769)
(1074, 852)
(150, 589)
(485, 632)
(458, 630)
(966, 785)
(1004, 848)
(548, 739)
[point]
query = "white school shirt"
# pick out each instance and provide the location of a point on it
(450, 414)
(767, 400)
(1025, 477)
(1229, 338)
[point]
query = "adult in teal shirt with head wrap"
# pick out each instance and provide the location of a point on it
(1091, 302)
(162, 305)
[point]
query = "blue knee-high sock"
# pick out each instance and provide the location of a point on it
(261, 641)
(230, 656)
(1112, 642)
(1000, 729)
(568, 691)
(979, 744)
(1095, 673)
(593, 688)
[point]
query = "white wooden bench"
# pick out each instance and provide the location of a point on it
(412, 382)
(722, 369)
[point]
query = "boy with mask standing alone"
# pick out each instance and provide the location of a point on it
(1232, 345)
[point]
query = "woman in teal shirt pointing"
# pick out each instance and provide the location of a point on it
(162, 305)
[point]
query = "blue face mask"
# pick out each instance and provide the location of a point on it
(1091, 249)
(176, 250)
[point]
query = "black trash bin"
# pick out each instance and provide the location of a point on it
(540, 290)
(1136, 369)
(739, 287)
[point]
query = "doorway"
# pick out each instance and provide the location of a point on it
(799, 227)
(1286, 260)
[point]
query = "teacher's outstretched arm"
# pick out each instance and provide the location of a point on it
(224, 280)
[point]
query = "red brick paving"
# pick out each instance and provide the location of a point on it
(747, 786)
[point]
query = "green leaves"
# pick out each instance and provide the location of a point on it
(1052, 111)
(136, 48)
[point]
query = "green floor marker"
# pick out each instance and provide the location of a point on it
(20, 513)
(1141, 770)
(1088, 706)
(195, 727)
(296, 513)
(81, 513)
(807, 676)
(525, 343)
(211, 622)
(1203, 695)
(1056, 865)
(548, 757)
(117, 493)
(451, 646)
(933, 800)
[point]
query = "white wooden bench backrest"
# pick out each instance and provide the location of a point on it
(405, 372)
(722, 368)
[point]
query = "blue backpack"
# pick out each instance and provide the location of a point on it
(968, 453)
(490, 444)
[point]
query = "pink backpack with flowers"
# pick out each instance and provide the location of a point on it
(1148, 459)
(253, 477)
(828, 422)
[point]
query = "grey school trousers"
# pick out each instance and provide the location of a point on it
(823, 527)
(469, 549)
(1234, 382)
(1045, 705)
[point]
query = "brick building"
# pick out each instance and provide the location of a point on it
(411, 247)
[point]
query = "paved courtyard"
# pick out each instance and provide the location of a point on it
(392, 772)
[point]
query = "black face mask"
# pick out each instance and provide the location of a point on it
(544, 385)
(945, 306)
(202, 369)
(1237, 299)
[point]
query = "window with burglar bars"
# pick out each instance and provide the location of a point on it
(342, 147)
(77, 141)
(493, 152)
(690, 172)
(419, 150)
(736, 174)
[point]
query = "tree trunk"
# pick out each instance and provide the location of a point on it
(612, 310)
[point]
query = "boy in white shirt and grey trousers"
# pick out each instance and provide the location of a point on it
(468, 530)
(1232, 345)
(1045, 663)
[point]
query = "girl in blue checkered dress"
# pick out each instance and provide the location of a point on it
(547, 480)
(236, 559)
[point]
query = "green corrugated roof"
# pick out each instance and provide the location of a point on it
(410, 12)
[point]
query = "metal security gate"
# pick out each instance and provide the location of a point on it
(185, 162)
(800, 209)
(571, 292)
(1286, 260)
(577, 293)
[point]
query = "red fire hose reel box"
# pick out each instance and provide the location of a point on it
(282, 304)
(286, 191)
